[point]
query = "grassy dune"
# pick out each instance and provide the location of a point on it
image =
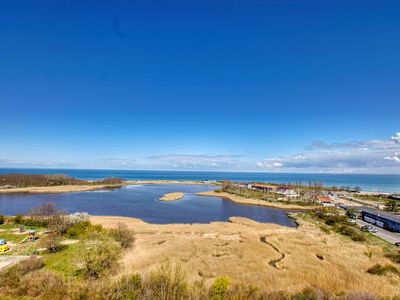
(270, 256)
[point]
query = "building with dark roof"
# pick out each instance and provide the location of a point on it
(381, 219)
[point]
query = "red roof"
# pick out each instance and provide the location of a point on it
(324, 199)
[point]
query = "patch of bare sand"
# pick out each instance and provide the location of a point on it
(164, 182)
(251, 252)
(251, 201)
(55, 189)
(172, 196)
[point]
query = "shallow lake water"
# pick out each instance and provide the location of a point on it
(141, 201)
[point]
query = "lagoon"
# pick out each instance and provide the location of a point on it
(142, 201)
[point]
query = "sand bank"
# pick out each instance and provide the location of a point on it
(251, 252)
(251, 201)
(57, 189)
(172, 196)
(133, 182)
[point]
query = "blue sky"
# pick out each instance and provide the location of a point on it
(201, 85)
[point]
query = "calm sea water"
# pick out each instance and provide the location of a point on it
(141, 201)
(377, 183)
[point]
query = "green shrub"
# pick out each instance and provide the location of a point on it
(351, 232)
(167, 284)
(99, 258)
(84, 230)
(2, 219)
(380, 270)
(128, 287)
(219, 288)
(123, 235)
(18, 219)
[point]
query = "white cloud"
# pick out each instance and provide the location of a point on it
(198, 161)
(395, 157)
(396, 137)
(357, 156)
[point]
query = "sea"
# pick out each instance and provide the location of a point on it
(384, 183)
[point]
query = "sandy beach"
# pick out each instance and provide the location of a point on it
(172, 196)
(56, 189)
(165, 182)
(271, 256)
(251, 201)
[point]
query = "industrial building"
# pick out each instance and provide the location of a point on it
(381, 219)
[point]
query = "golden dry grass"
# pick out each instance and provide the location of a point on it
(206, 251)
(172, 196)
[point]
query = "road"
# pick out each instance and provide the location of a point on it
(390, 237)
(9, 260)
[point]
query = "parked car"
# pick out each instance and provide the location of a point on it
(351, 221)
(372, 230)
(366, 228)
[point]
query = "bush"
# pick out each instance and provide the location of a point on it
(86, 230)
(2, 219)
(393, 255)
(219, 288)
(45, 285)
(167, 284)
(99, 257)
(352, 232)
(123, 235)
(128, 287)
(18, 219)
(59, 223)
(242, 291)
(51, 242)
(12, 277)
(380, 270)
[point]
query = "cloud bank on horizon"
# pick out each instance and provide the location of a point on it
(373, 156)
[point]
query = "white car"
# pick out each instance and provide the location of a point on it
(372, 230)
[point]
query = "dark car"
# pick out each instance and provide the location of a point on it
(397, 244)
(366, 228)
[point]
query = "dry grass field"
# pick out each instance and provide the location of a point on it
(270, 256)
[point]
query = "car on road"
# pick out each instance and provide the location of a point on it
(366, 228)
(372, 230)
(352, 221)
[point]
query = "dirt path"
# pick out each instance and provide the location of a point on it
(273, 262)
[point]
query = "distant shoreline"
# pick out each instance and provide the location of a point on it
(250, 201)
(56, 189)
(88, 187)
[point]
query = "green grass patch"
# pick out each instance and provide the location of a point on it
(10, 237)
(64, 261)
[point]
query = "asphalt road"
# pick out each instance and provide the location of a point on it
(388, 236)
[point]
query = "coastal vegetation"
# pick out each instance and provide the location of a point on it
(8, 181)
(306, 195)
